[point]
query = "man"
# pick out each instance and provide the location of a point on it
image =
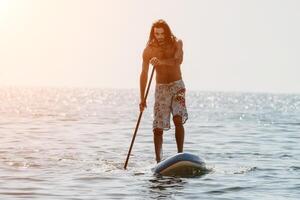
(164, 52)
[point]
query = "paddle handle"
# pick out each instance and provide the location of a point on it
(139, 119)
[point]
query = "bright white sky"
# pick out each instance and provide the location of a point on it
(246, 45)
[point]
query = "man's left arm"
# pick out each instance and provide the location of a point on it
(178, 57)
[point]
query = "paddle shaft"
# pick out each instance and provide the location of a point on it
(139, 119)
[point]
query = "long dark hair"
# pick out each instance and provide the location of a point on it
(170, 38)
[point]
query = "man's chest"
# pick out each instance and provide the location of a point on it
(163, 52)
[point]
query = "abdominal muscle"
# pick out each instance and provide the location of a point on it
(167, 74)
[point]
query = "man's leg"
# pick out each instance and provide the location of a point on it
(158, 140)
(179, 132)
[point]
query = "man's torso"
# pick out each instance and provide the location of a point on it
(164, 73)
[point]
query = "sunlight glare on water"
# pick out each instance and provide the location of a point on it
(68, 143)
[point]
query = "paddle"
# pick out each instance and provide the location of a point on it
(139, 119)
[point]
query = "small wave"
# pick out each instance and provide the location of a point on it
(285, 156)
(246, 170)
(211, 126)
(68, 119)
(18, 193)
(288, 123)
(31, 179)
(240, 170)
(107, 166)
(23, 164)
(32, 195)
(228, 189)
(90, 178)
(162, 182)
(295, 168)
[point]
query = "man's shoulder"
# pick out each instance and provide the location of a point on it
(179, 42)
(147, 47)
(147, 52)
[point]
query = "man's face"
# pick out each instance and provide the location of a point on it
(159, 35)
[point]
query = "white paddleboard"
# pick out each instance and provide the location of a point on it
(182, 165)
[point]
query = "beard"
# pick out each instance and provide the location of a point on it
(161, 41)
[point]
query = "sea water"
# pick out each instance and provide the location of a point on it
(71, 143)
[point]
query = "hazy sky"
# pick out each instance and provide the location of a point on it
(246, 45)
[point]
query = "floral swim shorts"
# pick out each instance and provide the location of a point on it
(169, 98)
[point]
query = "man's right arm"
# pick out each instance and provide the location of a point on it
(143, 79)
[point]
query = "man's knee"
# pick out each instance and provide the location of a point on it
(157, 132)
(177, 120)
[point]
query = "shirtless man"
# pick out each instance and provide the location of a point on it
(164, 52)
